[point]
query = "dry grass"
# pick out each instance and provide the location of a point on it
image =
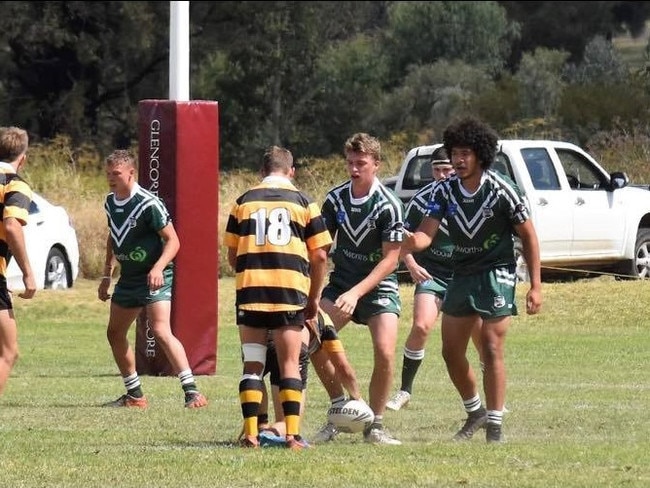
(74, 179)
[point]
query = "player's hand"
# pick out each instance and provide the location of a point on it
(533, 301)
(155, 279)
(30, 287)
(346, 303)
(102, 289)
(419, 274)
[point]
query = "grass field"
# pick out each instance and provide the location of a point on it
(578, 398)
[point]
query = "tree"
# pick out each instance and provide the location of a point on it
(430, 96)
(79, 68)
(268, 87)
(540, 82)
(476, 33)
(568, 26)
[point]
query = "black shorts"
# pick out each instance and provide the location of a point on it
(270, 320)
(272, 368)
(5, 296)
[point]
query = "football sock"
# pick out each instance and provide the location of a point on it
(250, 397)
(290, 397)
(495, 416)
(472, 404)
(410, 366)
(133, 385)
(188, 383)
(377, 423)
(262, 419)
(337, 399)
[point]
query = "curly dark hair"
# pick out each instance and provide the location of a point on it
(474, 134)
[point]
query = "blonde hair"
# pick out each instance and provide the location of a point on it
(277, 159)
(363, 143)
(14, 142)
(120, 156)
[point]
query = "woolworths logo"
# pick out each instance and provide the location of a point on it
(490, 242)
(138, 255)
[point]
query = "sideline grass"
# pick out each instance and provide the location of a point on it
(578, 395)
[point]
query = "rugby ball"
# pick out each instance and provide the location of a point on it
(350, 416)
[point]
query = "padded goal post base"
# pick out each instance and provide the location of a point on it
(179, 161)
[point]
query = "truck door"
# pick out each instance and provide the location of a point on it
(551, 210)
(598, 220)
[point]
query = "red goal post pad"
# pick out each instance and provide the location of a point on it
(178, 152)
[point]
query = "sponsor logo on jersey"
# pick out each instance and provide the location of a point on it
(499, 301)
(468, 250)
(491, 241)
(138, 255)
(375, 257)
(355, 255)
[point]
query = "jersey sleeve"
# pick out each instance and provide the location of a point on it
(18, 196)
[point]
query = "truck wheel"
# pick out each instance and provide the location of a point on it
(642, 254)
(639, 267)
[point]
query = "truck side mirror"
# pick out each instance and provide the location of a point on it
(618, 179)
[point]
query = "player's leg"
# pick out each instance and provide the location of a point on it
(425, 312)
(288, 344)
(497, 316)
(119, 322)
(8, 342)
(159, 317)
(383, 330)
(456, 332)
(253, 339)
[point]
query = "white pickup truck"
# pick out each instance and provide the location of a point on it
(587, 220)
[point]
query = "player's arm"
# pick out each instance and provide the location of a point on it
(418, 273)
(16, 243)
(109, 260)
(345, 373)
(232, 257)
(386, 265)
(422, 237)
(317, 275)
(171, 245)
(528, 236)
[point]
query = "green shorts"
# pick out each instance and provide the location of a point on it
(489, 293)
(435, 286)
(369, 305)
(132, 295)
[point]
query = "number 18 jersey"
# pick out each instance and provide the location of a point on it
(273, 226)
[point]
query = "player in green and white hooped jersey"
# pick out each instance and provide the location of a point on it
(142, 239)
(365, 218)
(431, 272)
(484, 211)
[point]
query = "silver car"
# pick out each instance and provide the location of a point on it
(52, 247)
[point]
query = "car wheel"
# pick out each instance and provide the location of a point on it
(57, 270)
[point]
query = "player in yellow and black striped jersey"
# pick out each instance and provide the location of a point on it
(15, 198)
(277, 244)
(320, 342)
